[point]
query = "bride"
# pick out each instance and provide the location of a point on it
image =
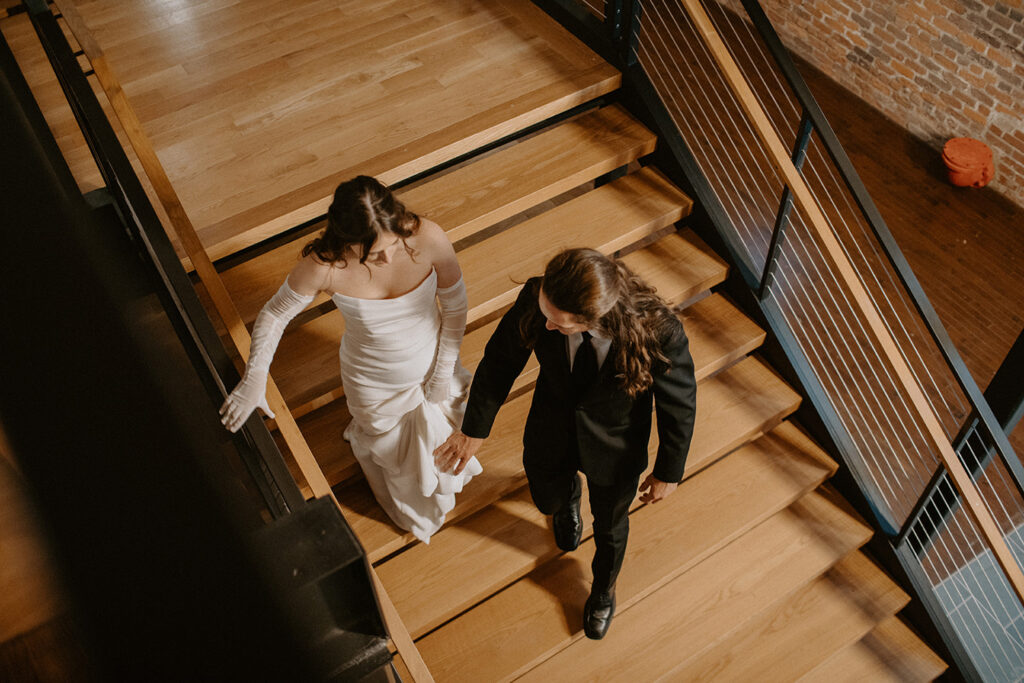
(383, 266)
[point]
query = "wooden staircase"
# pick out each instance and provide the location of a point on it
(743, 564)
(751, 570)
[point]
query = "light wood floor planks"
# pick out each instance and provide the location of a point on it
(258, 109)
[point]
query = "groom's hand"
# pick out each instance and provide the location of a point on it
(453, 454)
(654, 490)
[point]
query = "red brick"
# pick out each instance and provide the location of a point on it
(999, 58)
(902, 70)
(975, 116)
(932, 70)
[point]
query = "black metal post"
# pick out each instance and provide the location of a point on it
(1005, 393)
(613, 18)
(631, 31)
(803, 138)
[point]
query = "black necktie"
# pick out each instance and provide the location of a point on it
(584, 367)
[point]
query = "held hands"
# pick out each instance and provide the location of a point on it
(654, 490)
(453, 455)
(246, 397)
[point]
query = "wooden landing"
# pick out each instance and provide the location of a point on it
(257, 110)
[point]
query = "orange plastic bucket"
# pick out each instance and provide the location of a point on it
(969, 162)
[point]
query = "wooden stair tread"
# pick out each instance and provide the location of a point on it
(890, 652)
(735, 404)
(338, 91)
(731, 410)
(488, 551)
(719, 334)
(705, 604)
(795, 636)
(531, 171)
(679, 265)
(463, 137)
(541, 612)
(481, 193)
(607, 219)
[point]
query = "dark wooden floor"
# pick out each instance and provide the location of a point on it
(966, 246)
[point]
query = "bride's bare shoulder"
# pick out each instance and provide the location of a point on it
(310, 275)
(430, 237)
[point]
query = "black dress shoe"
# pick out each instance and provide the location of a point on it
(598, 613)
(567, 522)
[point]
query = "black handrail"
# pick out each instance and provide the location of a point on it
(254, 443)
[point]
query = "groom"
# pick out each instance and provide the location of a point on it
(608, 347)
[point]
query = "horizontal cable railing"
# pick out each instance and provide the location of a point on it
(805, 236)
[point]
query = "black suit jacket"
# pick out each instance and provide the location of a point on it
(612, 430)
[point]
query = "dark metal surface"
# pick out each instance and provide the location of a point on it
(256, 446)
(803, 137)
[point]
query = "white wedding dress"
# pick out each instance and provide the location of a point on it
(387, 353)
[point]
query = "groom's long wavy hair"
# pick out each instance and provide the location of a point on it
(605, 295)
(363, 209)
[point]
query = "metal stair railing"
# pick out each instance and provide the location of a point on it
(911, 424)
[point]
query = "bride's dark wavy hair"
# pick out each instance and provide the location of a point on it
(363, 209)
(605, 295)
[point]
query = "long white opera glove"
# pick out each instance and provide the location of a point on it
(251, 392)
(454, 307)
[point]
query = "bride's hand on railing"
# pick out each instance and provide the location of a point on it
(247, 397)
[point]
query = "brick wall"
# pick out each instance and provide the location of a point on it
(940, 68)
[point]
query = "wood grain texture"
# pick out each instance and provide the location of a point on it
(479, 194)
(529, 172)
(783, 643)
(609, 218)
(542, 613)
(720, 334)
(679, 265)
(257, 110)
(707, 603)
(890, 653)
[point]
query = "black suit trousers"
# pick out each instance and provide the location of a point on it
(553, 489)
